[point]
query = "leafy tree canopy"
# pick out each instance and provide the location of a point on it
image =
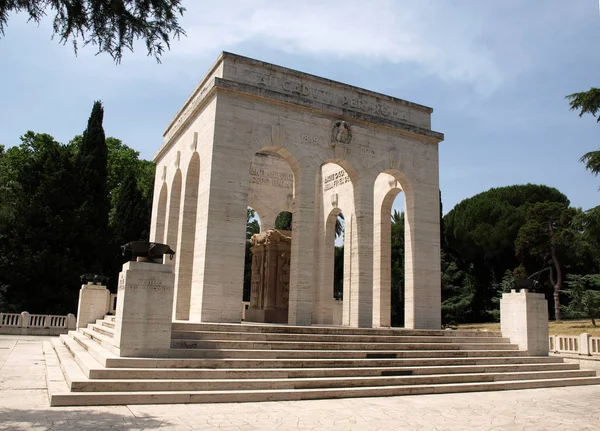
(112, 26)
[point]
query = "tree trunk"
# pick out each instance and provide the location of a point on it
(558, 283)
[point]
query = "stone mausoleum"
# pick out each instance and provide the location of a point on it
(275, 139)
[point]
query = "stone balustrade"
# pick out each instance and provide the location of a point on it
(35, 324)
(583, 344)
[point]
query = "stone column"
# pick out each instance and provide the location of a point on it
(218, 275)
(324, 300)
(302, 274)
(423, 293)
(524, 319)
(144, 309)
(361, 295)
(93, 304)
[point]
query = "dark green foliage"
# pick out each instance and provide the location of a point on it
(480, 233)
(584, 295)
(457, 292)
(39, 260)
(50, 220)
(547, 239)
(91, 161)
(586, 102)
(338, 273)
(592, 161)
(131, 213)
(284, 221)
(112, 26)
(397, 276)
(252, 227)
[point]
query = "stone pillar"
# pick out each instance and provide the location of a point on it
(71, 321)
(93, 304)
(270, 281)
(584, 344)
(144, 309)
(423, 292)
(524, 319)
(24, 322)
(218, 275)
(324, 301)
(302, 275)
(361, 294)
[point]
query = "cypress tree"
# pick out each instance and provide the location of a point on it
(131, 217)
(91, 169)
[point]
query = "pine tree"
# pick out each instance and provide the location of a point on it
(91, 169)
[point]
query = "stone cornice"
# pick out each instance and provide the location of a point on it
(325, 108)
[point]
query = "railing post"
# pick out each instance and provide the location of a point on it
(24, 323)
(584, 344)
(71, 322)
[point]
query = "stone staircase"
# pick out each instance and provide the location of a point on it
(212, 363)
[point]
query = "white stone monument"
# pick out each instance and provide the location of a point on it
(275, 139)
(524, 319)
(144, 309)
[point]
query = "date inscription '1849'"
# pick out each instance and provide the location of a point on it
(271, 178)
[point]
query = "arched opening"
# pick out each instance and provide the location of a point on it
(389, 240)
(187, 239)
(161, 214)
(333, 293)
(172, 223)
(267, 264)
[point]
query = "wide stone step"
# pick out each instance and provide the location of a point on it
(107, 323)
(331, 330)
(330, 338)
(274, 373)
(333, 354)
(102, 340)
(185, 397)
(116, 362)
(99, 353)
(296, 345)
(101, 329)
(312, 383)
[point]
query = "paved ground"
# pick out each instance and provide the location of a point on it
(24, 406)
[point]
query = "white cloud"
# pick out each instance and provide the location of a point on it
(437, 37)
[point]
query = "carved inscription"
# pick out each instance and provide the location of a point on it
(324, 95)
(336, 179)
(308, 139)
(281, 179)
(366, 151)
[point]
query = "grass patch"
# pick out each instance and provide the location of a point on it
(564, 327)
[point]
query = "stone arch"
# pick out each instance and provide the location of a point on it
(336, 194)
(187, 240)
(159, 227)
(172, 225)
(387, 187)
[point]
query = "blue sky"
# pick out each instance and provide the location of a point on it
(496, 74)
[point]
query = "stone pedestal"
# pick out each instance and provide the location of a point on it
(144, 309)
(270, 283)
(93, 304)
(524, 319)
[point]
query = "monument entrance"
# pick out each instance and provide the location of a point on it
(259, 135)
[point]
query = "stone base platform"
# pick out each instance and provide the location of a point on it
(210, 363)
